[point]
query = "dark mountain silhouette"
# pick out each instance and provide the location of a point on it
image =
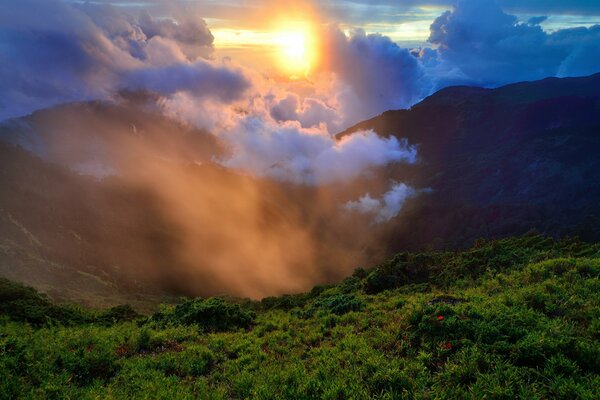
(499, 162)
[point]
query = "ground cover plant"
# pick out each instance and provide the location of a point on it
(511, 318)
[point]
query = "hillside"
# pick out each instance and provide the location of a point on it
(499, 161)
(515, 318)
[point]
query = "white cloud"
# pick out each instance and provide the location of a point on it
(385, 208)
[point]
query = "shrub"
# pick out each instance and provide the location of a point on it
(23, 303)
(212, 314)
(340, 304)
(88, 358)
(117, 314)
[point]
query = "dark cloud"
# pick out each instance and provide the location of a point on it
(474, 43)
(553, 7)
(537, 20)
(524, 6)
(73, 51)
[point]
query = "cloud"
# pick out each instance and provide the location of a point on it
(310, 156)
(378, 74)
(474, 43)
(184, 27)
(67, 52)
(478, 43)
(201, 78)
(385, 208)
(310, 112)
(227, 235)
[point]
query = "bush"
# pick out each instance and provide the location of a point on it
(88, 358)
(214, 315)
(445, 269)
(118, 314)
(516, 318)
(23, 303)
(340, 304)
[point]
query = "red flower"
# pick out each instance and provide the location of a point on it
(448, 346)
(440, 317)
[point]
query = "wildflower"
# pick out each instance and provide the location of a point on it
(440, 318)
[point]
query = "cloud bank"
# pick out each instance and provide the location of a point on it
(474, 43)
(478, 43)
(63, 52)
(67, 52)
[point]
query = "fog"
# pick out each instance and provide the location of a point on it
(167, 211)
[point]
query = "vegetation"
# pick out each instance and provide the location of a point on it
(25, 304)
(513, 318)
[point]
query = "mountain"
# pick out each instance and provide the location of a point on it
(499, 162)
(68, 225)
(109, 203)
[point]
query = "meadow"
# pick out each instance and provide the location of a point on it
(511, 318)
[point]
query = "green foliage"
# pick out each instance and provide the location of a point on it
(339, 304)
(118, 314)
(214, 315)
(445, 269)
(21, 303)
(25, 304)
(516, 318)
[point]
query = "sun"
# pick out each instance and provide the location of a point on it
(293, 47)
(296, 50)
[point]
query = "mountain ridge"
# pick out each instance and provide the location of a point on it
(526, 148)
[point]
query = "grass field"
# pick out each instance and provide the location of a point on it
(506, 319)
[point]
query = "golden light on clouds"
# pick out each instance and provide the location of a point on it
(288, 47)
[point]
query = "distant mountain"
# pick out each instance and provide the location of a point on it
(499, 162)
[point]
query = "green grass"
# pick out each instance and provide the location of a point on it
(514, 318)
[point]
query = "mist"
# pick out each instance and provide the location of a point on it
(167, 212)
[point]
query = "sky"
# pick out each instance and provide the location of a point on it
(277, 80)
(243, 28)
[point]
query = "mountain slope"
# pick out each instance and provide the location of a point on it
(500, 161)
(168, 218)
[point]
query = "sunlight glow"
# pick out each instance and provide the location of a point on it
(297, 50)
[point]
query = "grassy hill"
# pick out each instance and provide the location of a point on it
(513, 318)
